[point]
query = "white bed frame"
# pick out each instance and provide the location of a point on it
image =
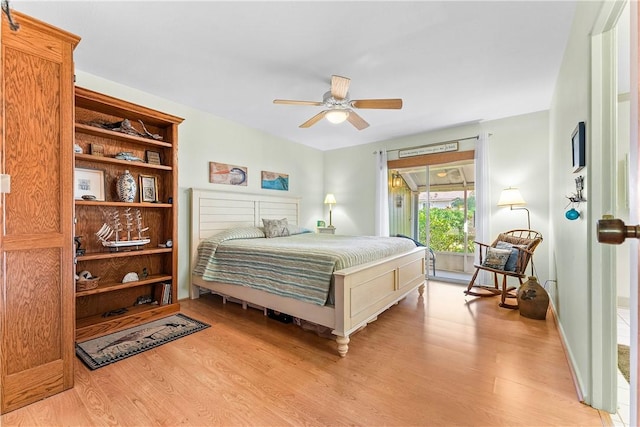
(361, 292)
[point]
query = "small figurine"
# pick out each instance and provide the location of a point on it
(79, 251)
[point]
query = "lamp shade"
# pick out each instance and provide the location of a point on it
(330, 199)
(337, 116)
(510, 197)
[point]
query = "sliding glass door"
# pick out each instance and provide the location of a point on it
(436, 205)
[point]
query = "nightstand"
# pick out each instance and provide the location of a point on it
(326, 230)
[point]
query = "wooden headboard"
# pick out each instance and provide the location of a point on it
(215, 211)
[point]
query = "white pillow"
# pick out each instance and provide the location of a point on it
(275, 227)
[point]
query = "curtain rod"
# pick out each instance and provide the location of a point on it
(435, 143)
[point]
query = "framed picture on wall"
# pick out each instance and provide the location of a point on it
(578, 147)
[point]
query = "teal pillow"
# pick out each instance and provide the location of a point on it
(513, 257)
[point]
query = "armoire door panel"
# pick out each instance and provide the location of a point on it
(33, 313)
(32, 144)
(32, 385)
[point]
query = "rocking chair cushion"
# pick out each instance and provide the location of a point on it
(513, 257)
(496, 258)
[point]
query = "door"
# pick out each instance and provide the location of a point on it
(36, 242)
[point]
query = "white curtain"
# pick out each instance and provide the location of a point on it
(483, 196)
(382, 194)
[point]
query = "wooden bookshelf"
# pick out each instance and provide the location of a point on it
(154, 263)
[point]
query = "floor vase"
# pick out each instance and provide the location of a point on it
(533, 300)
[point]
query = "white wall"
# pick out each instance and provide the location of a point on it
(570, 240)
(204, 138)
(518, 153)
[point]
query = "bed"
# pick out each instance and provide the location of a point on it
(359, 294)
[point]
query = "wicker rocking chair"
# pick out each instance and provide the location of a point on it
(508, 256)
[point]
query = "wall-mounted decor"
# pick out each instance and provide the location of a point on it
(222, 173)
(275, 181)
(578, 147)
(153, 157)
(428, 149)
(88, 182)
(148, 188)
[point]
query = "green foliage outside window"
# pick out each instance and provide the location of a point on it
(447, 227)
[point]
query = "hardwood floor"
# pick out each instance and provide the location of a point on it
(444, 359)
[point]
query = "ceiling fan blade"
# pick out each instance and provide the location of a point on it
(392, 104)
(339, 87)
(293, 102)
(315, 119)
(357, 121)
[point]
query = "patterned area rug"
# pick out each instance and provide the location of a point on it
(105, 350)
(623, 360)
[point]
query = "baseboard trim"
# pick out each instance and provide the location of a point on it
(567, 352)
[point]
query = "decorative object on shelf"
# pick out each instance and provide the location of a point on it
(533, 300)
(130, 277)
(575, 199)
(125, 126)
(127, 155)
(85, 281)
(97, 150)
(330, 200)
(222, 173)
(89, 197)
(153, 157)
(148, 188)
(145, 273)
(88, 182)
(109, 233)
(578, 147)
(77, 149)
(144, 299)
(169, 243)
(275, 181)
(126, 187)
(511, 197)
(79, 251)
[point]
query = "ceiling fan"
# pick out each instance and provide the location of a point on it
(339, 107)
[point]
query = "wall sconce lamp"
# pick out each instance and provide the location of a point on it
(330, 200)
(337, 116)
(396, 180)
(511, 197)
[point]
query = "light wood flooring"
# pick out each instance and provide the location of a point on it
(442, 359)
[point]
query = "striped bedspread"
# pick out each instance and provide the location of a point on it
(298, 266)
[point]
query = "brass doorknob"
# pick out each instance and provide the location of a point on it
(613, 231)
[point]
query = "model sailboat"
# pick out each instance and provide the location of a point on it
(116, 233)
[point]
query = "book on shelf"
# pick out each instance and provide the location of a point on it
(165, 296)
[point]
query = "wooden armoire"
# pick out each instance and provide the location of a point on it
(36, 241)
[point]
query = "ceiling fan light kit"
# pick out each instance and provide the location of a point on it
(339, 107)
(337, 116)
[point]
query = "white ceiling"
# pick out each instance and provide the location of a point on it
(452, 62)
